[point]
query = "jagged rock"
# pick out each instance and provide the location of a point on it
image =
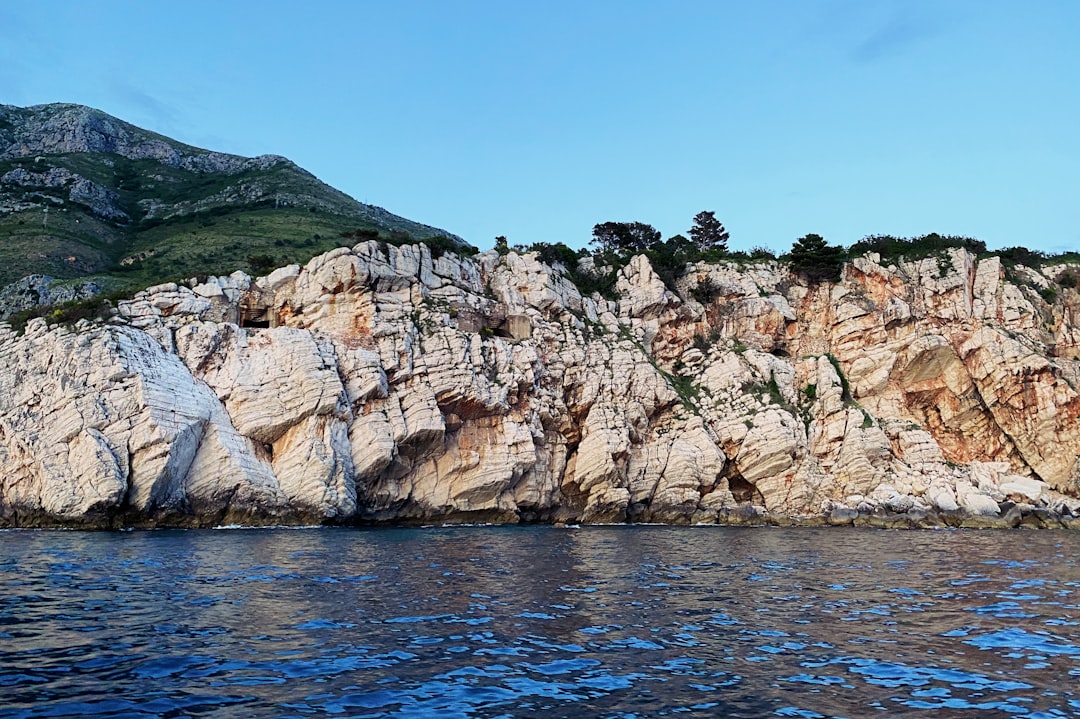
(37, 290)
(974, 502)
(1022, 488)
(65, 129)
(109, 422)
(840, 516)
(101, 200)
(269, 380)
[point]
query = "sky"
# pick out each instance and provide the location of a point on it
(538, 120)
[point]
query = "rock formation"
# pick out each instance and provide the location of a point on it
(382, 384)
(34, 290)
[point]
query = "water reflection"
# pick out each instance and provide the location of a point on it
(491, 622)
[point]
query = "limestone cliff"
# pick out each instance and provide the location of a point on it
(382, 384)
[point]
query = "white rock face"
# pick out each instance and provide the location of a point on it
(379, 384)
(102, 420)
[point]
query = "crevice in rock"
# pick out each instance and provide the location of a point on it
(742, 490)
(1016, 451)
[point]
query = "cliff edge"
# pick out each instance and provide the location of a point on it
(382, 384)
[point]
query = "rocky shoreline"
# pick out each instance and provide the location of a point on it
(1011, 516)
(385, 385)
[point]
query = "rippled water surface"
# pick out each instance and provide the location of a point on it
(509, 622)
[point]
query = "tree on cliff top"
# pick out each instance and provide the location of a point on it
(708, 233)
(624, 238)
(815, 259)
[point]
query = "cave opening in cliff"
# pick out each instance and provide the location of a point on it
(254, 317)
(255, 313)
(741, 489)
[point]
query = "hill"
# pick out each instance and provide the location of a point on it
(86, 195)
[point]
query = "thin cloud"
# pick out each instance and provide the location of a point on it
(896, 36)
(151, 112)
(164, 116)
(217, 143)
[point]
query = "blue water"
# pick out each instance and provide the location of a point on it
(540, 622)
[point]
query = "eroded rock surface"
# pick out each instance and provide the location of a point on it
(381, 384)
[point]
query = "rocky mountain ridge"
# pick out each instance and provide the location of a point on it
(63, 128)
(84, 194)
(383, 384)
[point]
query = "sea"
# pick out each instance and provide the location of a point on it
(471, 622)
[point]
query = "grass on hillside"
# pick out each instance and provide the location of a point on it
(78, 246)
(72, 244)
(253, 241)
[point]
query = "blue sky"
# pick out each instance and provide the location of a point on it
(538, 120)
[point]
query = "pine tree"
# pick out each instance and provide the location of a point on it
(816, 260)
(708, 233)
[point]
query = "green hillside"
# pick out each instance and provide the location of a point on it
(84, 195)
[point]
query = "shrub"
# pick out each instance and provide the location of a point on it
(775, 396)
(556, 254)
(97, 307)
(891, 248)
(261, 263)
(816, 260)
(685, 388)
(704, 291)
(1021, 256)
(361, 234)
(601, 282)
(669, 258)
(845, 388)
(439, 245)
